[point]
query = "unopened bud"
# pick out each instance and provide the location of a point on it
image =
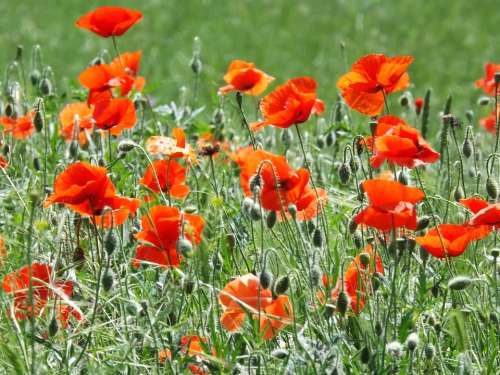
(342, 302)
(317, 238)
(45, 87)
(484, 101)
(423, 223)
(280, 353)
(266, 279)
(403, 178)
(491, 188)
(255, 184)
(429, 351)
(292, 209)
(38, 121)
(110, 242)
(53, 327)
(412, 341)
(256, 212)
(467, 148)
(458, 194)
(107, 281)
(35, 76)
(247, 205)
(184, 247)
(126, 145)
(344, 173)
(364, 258)
(281, 285)
(271, 219)
(459, 282)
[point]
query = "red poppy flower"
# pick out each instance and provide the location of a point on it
(240, 295)
(115, 115)
(400, 144)
(3, 252)
(451, 240)
(242, 76)
(289, 104)
(487, 83)
(21, 127)
(80, 113)
(87, 189)
(484, 213)
(161, 229)
(109, 21)
(43, 287)
(192, 346)
(170, 177)
(4, 163)
(281, 185)
(175, 147)
(357, 280)
(276, 316)
(419, 103)
(371, 77)
(392, 205)
(489, 123)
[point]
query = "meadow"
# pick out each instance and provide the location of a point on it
(249, 187)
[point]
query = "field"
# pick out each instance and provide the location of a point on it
(194, 213)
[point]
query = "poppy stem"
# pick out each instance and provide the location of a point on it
(385, 102)
(239, 101)
(30, 290)
(497, 123)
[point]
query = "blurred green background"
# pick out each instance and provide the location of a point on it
(450, 40)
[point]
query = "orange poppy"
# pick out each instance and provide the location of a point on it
(21, 127)
(451, 240)
(487, 83)
(115, 115)
(170, 177)
(290, 104)
(191, 346)
(484, 213)
(17, 283)
(489, 123)
(400, 144)
(392, 205)
(372, 77)
(175, 147)
(67, 117)
(281, 185)
(87, 189)
(161, 229)
(109, 21)
(242, 76)
(245, 294)
(4, 163)
(3, 252)
(357, 280)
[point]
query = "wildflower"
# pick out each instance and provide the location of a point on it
(487, 83)
(80, 114)
(87, 189)
(4, 163)
(484, 213)
(3, 252)
(451, 240)
(281, 185)
(242, 76)
(162, 228)
(115, 115)
(371, 78)
(175, 147)
(489, 123)
(290, 104)
(400, 144)
(109, 21)
(168, 176)
(20, 127)
(389, 211)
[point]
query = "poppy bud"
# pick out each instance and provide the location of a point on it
(107, 281)
(266, 279)
(271, 219)
(364, 258)
(38, 121)
(317, 238)
(110, 242)
(342, 302)
(467, 148)
(101, 162)
(320, 142)
(184, 247)
(403, 100)
(458, 194)
(484, 101)
(459, 283)
(344, 173)
(354, 164)
(132, 308)
(365, 355)
(73, 149)
(403, 177)
(358, 240)
(36, 163)
(429, 351)
(256, 212)
(190, 209)
(280, 353)
(330, 138)
(497, 78)
(255, 184)
(352, 226)
(423, 222)
(493, 318)
(189, 286)
(292, 209)
(196, 65)
(126, 145)
(492, 188)
(231, 241)
(35, 76)
(281, 285)
(53, 327)
(247, 205)
(469, 115)
(495, 253)
(412, 341)
(45, 87)
(10, 110)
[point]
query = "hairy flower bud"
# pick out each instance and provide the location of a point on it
(281, 285)
(459, 282)
(266, 279)
(344, 173)
(184, 247)
(271, 219)
(491, 188)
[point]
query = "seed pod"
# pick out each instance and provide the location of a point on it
(435, 290)
(45, 87)
(107, 281)
(53, 327)
(364, 258)
(365, 355)
(458, 193)
(280, 353)
(281, 285)
(459, 282)
(317, 238)
(256, 212)
(132, 309)
(344, 173)
(342, 302)
(184, 247)
(271, 219)
(330, 138)
(492, 188)
(403, 178)
(429, 351)
(38, 121)
(266, 279)
(110, 242)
